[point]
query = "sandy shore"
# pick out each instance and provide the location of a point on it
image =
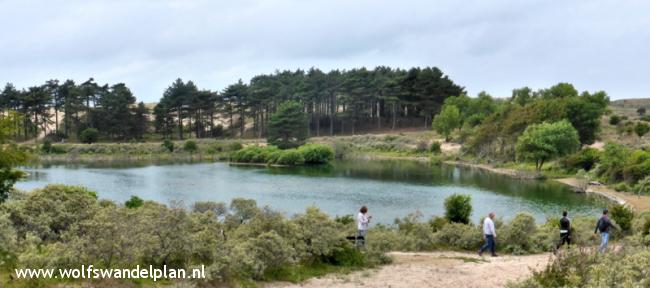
(436, 269)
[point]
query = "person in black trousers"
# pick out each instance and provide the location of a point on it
(565, 231)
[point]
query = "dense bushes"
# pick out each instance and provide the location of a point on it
(316, 154)
(458, 208)
(88, 136)
(310, 154)
(63, 226)
(584, 159)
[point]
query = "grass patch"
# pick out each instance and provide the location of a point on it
(300, 273)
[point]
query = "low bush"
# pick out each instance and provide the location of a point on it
(459, 236)
(88, 136)
(584, 159)
(168, 145)
(518, 234)
(641, 129)
(621, 187)
(614, 120)
(435, 147)
(316, 153)
(623, 216)
(310, 153)
(290, 157)
(134, 202)
(190, 146)
(458, 208)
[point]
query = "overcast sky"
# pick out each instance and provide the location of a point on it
(483, 45)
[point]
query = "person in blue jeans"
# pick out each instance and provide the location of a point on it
(489, 235)
(603, 226)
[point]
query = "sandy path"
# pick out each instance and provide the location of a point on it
(436, 269)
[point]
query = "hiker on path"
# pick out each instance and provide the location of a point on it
(565, 231)
(362, 226)
(490, 234)
(603, 226)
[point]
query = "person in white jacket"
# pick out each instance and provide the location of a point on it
(489, 234)
(362, 226)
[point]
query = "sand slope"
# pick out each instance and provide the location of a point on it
(436, 269)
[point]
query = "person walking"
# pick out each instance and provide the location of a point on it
(603, 226)
(565, 231)
(489, 234)
(362, 226)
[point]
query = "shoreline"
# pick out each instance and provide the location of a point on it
(637, 203)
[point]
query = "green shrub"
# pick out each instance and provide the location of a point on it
(47, 146)
(190, 146)
(290, 157)
(347, 256)
(316, 153)
(458, 208)
(169, 145)
(621, 187)
(436, 223)
(518, 234)
(89, 135)
(622, 215)
(641, 129)
(645, 118)
(435, 147)
(583, 159)
(344, 220)
(614, 120)
(134, 202)
(635, 172)
(459, 235)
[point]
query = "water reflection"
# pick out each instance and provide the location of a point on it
(391, 188)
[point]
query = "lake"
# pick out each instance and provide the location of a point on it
(389, 188)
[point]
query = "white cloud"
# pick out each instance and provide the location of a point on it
(484, 45)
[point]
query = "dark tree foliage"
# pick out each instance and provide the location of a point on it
(498, 133)
(335, 102)
(288, 126)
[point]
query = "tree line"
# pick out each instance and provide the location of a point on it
(64, 110)
(334, 102)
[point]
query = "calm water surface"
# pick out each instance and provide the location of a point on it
(389, 188)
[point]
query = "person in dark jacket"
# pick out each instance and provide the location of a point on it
(603, 226)
(565, 230)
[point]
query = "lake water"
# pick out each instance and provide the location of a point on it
(389, 188)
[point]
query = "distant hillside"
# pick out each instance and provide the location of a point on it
(631, 103)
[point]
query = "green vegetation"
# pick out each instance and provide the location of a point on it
(316, 153)
(66, 226)
(306, 154)
(458, 208)
(169, 145)
(496, 137)
(288, 126)
(542, 142)
(134, 202)
(190, 146)
(641, 129)
(447, 121)
(89, 136)
(10, 155)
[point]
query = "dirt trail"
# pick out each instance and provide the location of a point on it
(436, 269)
